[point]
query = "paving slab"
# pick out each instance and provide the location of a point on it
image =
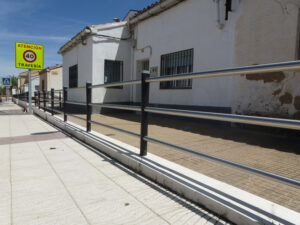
(57, 180)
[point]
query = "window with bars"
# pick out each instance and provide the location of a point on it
(73, 76)
(177, 63)
(113, 71)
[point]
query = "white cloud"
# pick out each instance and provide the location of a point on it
(20, 36)
(9, 7)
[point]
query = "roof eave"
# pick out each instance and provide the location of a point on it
(75, 40)
(158, 8)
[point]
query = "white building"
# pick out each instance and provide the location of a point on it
(176, 36)
(35, 82)
(51, 77)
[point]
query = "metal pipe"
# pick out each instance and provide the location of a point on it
(264, 68)
(88, 107)
(113, 106)
(58, 111)
(220, 24)
(65, 97)
(117, 84)
(254, 120)
(115, 128)
(29, 92)
(75, 88)
(285, 180)
(75, 103)
(144, 114)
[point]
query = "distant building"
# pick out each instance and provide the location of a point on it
(51, 77)
(23, 81)
(179, 36)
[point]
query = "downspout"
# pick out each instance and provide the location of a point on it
(142, 49)
(220, 24)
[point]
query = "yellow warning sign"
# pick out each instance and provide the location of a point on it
(29, 56)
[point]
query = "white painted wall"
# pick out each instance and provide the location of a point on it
(111, 49)
(90, 59)
(258, 31)
(267, 32)
(191, 24)
(35, 82)
(82, 55)
(54, 79)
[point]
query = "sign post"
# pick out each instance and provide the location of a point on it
(7, 94)
(29, 56)
(29, 92)
(6, 82)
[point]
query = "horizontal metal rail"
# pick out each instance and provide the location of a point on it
(76, 103)
(229, 163)
(115, 106)
(114, 128)
(77, 117)
(76, 88)
(115, 84)
(58, 111)
(48, 108)
(264, 68)
(254, 120)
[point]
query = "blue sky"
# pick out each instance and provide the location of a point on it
(52, 23)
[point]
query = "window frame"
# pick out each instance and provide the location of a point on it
(121, 75)
(71, 79)
(184, 54)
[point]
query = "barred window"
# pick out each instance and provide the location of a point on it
(113, 71)
(73, 76)
(177, 63)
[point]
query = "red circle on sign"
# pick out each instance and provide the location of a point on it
(29, 56)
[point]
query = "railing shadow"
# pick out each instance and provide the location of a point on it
(275, 138)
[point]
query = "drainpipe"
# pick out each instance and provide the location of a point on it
(142, 49)
(220, 24)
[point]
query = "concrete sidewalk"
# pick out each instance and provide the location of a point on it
(49, 178)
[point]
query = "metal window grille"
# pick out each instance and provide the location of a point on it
(177, 63)
(113, 72)
(73, 76)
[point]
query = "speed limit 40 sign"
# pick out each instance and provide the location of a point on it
(29, 56)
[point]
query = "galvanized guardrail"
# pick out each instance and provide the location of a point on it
(145, 110)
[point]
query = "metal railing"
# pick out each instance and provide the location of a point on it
(145, 109)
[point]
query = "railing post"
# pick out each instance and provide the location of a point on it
(144, 114)
(44, 99)
(39, 99)
(88, 106)
(59, 99)
(52, 101)
(34, 98)
(65, 95)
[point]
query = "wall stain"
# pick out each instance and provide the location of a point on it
(297, 102)
(277, 92)
(266, 77)
(287, 98)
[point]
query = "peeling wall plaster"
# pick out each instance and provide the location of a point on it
(267, 32)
